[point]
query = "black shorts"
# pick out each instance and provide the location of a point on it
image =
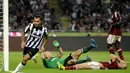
(68, 59)
(30, 51)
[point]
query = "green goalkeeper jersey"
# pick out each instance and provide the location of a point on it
(52, 63)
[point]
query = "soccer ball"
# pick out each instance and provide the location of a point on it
(54, 35)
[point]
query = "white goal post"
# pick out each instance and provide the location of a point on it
(6, 35)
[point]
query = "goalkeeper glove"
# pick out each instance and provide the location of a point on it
(56, 43)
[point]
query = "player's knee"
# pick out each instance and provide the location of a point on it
(71, 62)
(25, 60)
(78, 51)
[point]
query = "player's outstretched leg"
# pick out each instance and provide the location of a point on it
(92, 45)
(20, 66)
(61, 67)
(77, 53)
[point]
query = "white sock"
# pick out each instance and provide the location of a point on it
(34, 57)
(19, 67)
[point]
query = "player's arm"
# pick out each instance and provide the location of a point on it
(60, 52)
(57, 45)
(117, 20)
(42, 55)
(122, 64)
(44, 59)
(45, 39)
(22, 40)
(43, 44)
(27, 29)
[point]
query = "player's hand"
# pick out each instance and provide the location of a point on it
(22, 44)
(56, 43)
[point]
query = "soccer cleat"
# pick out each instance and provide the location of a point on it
(60, 66)
(93, 43)
(88, 59)
(13, 72)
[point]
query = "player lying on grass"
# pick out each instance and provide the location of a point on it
(114, 63)
(51, 62)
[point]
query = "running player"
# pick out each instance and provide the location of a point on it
(114, 63)
(51, 62)
(37, 39)
(115, 33)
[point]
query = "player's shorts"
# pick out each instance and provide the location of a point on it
(112, 39)
(94, 65)
(30, 51)
(68, 59)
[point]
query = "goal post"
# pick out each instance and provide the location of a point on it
(6, 35)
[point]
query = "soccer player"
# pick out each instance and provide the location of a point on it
(36, 40)
(114, 63)
(115, 33)
(51, 62)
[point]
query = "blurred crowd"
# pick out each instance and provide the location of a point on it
(21, 12)
(94, 14)
(83, 15)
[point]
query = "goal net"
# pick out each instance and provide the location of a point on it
(1, 37)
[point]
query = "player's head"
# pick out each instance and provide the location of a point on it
(47, 54)
(114, 7)
(37, 21)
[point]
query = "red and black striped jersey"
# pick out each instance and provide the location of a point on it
(115, 28)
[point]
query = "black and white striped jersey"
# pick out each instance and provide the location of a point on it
(36, 36)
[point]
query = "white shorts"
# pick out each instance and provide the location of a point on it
(112, 39)
(94, 65)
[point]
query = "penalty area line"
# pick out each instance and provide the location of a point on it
(17, 72)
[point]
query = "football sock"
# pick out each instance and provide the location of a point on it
(88, 59)
(120, 53)
(70, 68)
(86, 49)
(19, 67)
(111, 50)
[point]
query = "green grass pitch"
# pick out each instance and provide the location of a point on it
(31, 67)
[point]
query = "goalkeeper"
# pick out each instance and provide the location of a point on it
(51, 62)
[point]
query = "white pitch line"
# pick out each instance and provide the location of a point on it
(17, 72)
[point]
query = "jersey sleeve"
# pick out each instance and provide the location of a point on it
(46, 32)
(116, 18)
(28, 28)
(45, 63)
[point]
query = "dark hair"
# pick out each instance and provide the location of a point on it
(37, 16)
(115, 7)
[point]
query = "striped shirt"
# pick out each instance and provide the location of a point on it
(36, 36)
(116, 19)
